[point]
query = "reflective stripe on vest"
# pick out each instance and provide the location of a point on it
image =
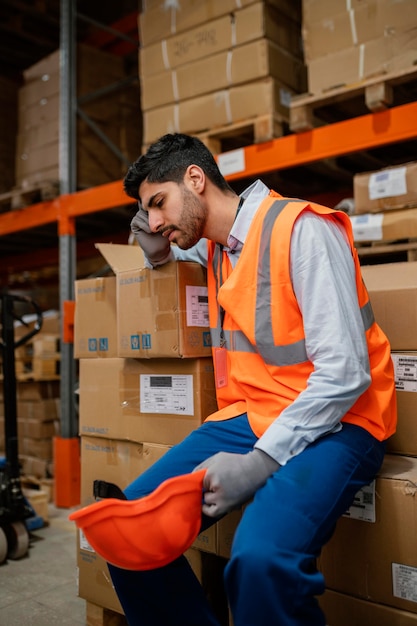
(235, 340)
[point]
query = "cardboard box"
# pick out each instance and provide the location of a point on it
(119, 462)
(392, 290)
(37, 390)
(377, 561)
(248, 24)
(389, 188)
(206, 541)
(155, 400)
(94, 582)
(226, 529)
(385, 226)
(242, 64)
(114, 461)
(34, 429)
(160, 20)
(8, 131)
(38, 124)
(243, 102)
(344, 610)
(357, 26)
(404, 441)
(317, 10)
(95, 322)
(38, 409)
(387, 54)
(161, 312)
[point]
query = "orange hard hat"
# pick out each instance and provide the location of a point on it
(146, 533)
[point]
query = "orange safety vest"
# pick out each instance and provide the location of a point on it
(263, 365)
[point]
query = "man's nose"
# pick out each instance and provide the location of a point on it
(155, 221)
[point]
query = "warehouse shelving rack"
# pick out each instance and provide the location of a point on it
(374, 130)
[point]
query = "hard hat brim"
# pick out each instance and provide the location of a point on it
(147, 533)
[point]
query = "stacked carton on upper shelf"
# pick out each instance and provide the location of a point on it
(116, 115)
(210, 64)
(346, 42)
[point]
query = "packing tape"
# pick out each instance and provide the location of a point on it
(361, 68)
(353, 27)
(229, 77)
(165, 57)
(175, 91)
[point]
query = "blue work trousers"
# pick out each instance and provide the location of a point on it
(271, 578)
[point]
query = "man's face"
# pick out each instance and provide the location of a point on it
(175, 211)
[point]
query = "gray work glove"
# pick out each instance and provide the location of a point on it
(232, 479)
(156, 247)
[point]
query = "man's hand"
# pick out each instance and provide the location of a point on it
(232, 479)
(155, 246)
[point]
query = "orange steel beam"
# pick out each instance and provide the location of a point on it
(360, 133)
(30, 217)
(95, 199)
(353, 135)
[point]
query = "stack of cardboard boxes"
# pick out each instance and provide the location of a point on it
(38, 423)
(37, 397)
(145, 378)
(370, 562)
(8, 130)
(346, 42)
(116, 115)
(210, 64)
(385, 204)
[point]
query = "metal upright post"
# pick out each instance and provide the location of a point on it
(66, 448)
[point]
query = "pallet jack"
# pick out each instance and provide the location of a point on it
(14, 508)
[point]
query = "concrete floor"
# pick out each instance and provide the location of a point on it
(41, 588)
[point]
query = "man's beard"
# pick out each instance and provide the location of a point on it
(193, 220)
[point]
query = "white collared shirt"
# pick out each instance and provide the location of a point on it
(323, 277)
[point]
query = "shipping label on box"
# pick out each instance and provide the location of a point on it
(405, 368)
(112, 406)
(388, 188)
(404, 440)
(363, 506)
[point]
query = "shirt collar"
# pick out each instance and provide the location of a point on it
(253, 196)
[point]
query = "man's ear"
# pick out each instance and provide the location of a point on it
(195, 178)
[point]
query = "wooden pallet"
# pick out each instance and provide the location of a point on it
(375, 94)
(20, 197)
(99, 616)
(244, 133)
(388, 251)
(39, 358)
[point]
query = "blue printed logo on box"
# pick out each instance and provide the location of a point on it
(134, 342)
(146, 342)
(104, 344)
(206, 339)
(92, 345)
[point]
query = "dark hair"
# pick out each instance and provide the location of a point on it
(167, 160)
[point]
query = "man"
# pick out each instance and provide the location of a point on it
(304, 385)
